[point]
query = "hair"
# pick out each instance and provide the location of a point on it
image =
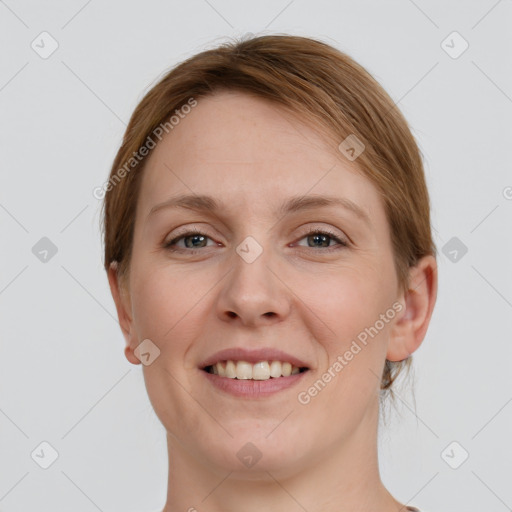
(307, 77)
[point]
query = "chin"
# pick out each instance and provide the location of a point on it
(253, 460)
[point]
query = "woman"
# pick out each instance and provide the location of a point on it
(269, 251)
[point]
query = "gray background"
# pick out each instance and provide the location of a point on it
(63, 375)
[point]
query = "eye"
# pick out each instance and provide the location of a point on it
(322, 236)
(193, 239)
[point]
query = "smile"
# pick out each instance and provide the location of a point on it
(262, 370)
(253, 373)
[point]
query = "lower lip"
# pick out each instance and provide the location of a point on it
(248, 388)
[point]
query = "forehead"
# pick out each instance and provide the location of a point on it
(250, 153)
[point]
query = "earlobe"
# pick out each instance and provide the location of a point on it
(122, 302)
(411, 326)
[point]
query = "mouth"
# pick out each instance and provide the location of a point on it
(253, 373)
(261, 370)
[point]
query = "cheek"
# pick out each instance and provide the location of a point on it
(161, 300)
(355, 334)
(348, 300)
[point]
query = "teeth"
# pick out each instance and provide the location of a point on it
(243, 370)
(230, 370)
(262, 370)
(275, 369)
(286, 369)
(220, 368)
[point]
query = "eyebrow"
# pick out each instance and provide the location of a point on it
(293, 204)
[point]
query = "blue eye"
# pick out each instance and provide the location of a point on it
(193, 234)
(322, 235)
(193, 240)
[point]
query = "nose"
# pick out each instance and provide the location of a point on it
(254, 294)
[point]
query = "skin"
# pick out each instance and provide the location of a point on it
(319, 456)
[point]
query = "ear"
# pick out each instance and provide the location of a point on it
(411, 325)
(123, 305)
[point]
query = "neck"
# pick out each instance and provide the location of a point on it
(344, 479)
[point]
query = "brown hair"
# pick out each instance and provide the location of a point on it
(315, 80)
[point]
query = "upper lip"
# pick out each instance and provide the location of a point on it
(252, 356)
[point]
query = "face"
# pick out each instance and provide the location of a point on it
(315, 282)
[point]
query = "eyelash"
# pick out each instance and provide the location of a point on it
(313, 231)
